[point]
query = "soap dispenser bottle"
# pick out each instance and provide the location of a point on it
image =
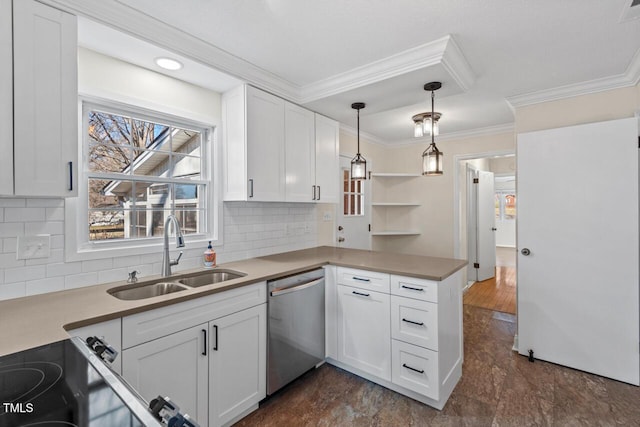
(209, 257)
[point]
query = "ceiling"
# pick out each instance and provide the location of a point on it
(490, 55)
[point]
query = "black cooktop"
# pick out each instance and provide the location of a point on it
(56, 386)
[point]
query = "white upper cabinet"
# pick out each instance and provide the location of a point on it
(6, 100)
(253, 148)
(327, 159)
(45, 98)
(276, 151)
(300, 154)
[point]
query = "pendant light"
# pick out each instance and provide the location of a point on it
(432, 157)
(358, 163)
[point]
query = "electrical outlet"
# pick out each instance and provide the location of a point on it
(30, 247)
(327, 216)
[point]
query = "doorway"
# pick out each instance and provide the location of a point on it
(353, 213)
(487, 243)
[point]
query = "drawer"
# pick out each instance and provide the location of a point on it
(414, 322)
(152, 324)
(415, 368)
(371, 280)
(411, 287)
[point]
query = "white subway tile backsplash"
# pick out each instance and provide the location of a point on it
(42, 286)
(19, 274)
(24, 214)
(251, 229)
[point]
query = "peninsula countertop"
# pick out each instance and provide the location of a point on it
(42, 319)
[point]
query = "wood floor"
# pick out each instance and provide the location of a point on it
(497, 293)
(498, 388)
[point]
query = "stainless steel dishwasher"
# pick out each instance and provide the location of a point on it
(296, 327)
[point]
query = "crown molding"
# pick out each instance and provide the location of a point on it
(370, 138)
(630, 77)
(464, 134)
(443, 51)
(129, 20)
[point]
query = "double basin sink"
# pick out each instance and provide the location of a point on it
(164, 287)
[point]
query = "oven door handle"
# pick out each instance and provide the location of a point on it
(281, 291)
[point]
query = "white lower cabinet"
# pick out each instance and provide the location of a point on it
(211, 360)
(364, 335)
(237, 364)
(415, 368)
(175, 366)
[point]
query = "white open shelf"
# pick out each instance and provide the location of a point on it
(396, 233)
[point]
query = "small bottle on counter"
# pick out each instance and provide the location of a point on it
(209, 257)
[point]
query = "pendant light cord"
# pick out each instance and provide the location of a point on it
(358, 131)
(433, 95)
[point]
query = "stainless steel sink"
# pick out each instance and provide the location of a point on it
(209, 278)
(133, 292)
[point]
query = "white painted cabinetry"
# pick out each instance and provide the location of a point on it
(6, 99)
(327, 160)
(300, 154)
(237, 364)
(276, 151)
(402, 332)
(45, 92)
(207, 354)
(364, 336)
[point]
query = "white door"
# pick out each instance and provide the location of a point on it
(175, 366)
(486, 227)
(364, 330)
(354, 210)
(238, 363)
(577, 235)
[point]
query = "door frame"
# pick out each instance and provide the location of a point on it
(367, 199)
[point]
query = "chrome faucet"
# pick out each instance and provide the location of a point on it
(167, 262)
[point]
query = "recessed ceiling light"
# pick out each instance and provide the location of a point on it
(168, 63)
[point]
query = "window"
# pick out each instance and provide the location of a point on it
(140, 167)
(353, 195)
(505, 205)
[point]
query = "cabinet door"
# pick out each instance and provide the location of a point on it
(45, 100)
(6, 100)
(265, 146)
(364, 332)
(111, 331)
(327, 159)
(300, 154)
(175, 366)
(237, 364)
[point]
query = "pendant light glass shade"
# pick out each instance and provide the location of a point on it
(426, 127)
(432, 161)
(418, 130)
(432, 157)
(358, 163)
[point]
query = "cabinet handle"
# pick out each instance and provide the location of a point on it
(420, 371)
(314, 192)
(204, 335)
(318, 192)
(361, 279)
(412, 288)
(70, 176)
(251, 188)
(215, 346)
(361, 294)
(412, 322)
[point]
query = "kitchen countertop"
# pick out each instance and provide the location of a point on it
(42, 319)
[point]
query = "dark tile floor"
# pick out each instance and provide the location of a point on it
(498, 388)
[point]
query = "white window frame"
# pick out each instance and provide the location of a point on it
(78, 247)
(502, 193)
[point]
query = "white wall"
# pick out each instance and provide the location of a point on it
(250, 229)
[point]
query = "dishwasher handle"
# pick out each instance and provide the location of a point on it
(281, 291)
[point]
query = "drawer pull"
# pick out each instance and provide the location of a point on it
(204, 335)
(412, 322)
(215, 346)
(361, 294)
(412, 288)
(361, 279)
(420, 371)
